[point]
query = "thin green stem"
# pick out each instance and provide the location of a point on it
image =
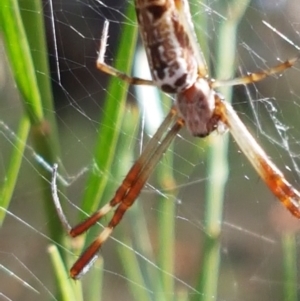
(166, 220)
(27, 54)
(289, 246)
(63, 280)
(217, 155)
(111, 121)
(14, 165)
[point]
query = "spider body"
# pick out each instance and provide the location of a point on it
(167, 32)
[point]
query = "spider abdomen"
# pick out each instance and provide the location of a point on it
(168, 47)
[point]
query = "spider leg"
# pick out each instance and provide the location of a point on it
(130, 177)
(128, 196)
(268, 171)
(102, 66)
(56, 200)
(124, 196)
(256, 76)
(120, 193)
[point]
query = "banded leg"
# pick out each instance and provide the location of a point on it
(125, 195)
(267, 170)
(87, 258)
(256, 76)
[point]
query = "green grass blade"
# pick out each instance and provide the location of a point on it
(289, 246)
(32, 16)
(63, 280)
(22, 27)
(111, 118)
(166, 221)
(13, 168)
(217, 158)
(95, 281)
(19, 53)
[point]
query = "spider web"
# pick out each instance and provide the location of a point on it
(255, 228)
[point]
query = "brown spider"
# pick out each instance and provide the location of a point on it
(177, 67)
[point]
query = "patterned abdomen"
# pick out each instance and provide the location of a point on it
(170, 55)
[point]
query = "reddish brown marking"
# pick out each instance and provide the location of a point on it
(157, 11)
(85, 258)
(86, 224)
(281, 188)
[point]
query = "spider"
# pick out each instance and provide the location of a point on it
(177, 67)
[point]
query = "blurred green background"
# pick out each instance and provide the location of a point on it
(164, 245)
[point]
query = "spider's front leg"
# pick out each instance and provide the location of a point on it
(257, 76)
(102, 66)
